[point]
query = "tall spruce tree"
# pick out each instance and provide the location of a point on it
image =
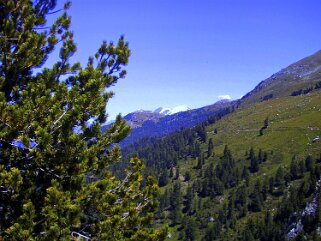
(54, 176)
(210, 148)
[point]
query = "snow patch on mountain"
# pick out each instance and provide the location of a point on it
(180, 108)
(162, 110)
(169, 111)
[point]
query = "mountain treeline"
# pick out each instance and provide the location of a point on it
(209, 193)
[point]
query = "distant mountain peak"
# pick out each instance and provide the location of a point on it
(138, 117)
(222, 101)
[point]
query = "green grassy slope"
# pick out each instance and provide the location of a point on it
(294, 121)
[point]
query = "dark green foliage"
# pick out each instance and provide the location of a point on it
(227, 171)
(256, 197)
(309, 163)
(176, 204)
(296, 92)
(163, 179)
(212, 231)
(210, 148)
(265, 125)
(188, 203)
(307, 90)
(267, 97)
(187, 176)
(254, 161)
(241, 201)
(294, 170)
(266, 122)
(201, 132)
(54, 165)
(244, 200)
(189, 229)
(279, 177)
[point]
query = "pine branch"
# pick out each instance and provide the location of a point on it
(60, 117)
(139, 207)
(51, 172)
(122, 184)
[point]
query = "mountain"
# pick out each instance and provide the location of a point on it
(137, 118)
(163, 121)
(297, 76)
(157, 124)
(250, 173)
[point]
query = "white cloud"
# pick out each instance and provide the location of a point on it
(224, 97)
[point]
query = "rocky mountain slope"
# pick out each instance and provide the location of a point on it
(300, 75)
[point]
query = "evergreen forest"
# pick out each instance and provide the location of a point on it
(247, 169)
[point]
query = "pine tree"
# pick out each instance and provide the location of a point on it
(294, 170)
(176, 204)
(256, 198)
(260, 156)
(55, 177)
(163, 178)
(279, 180)
(188, 200)
(241, 200)
(254, 164)
(309, 163)
(210, 148)
(189, 229)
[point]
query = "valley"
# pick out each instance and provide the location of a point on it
(230, 177)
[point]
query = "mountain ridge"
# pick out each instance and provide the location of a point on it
(304, 73)
(296, 75)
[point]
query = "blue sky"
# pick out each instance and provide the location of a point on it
(189, 52)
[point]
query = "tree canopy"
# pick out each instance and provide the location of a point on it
(55, 181)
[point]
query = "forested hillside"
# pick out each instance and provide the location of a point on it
(250, 173)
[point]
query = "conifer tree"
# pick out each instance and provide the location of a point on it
(189, 229)
(294, 170)
(176, 204)
(163, 178)
(254, 164)
(210, 148)
(54, 175)
(189, 201)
